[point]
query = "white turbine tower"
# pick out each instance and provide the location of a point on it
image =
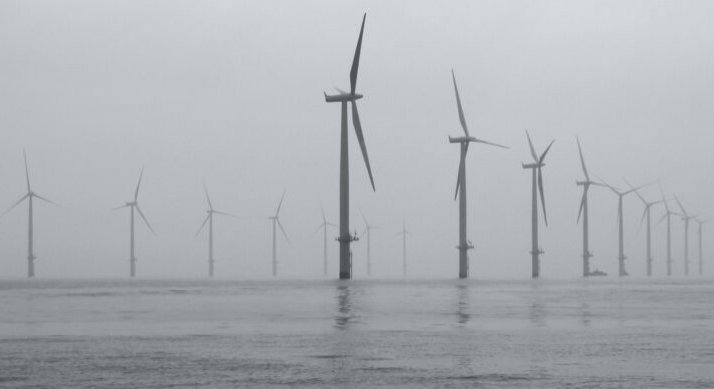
(620, 223)
(463, 141)
(209, 220)
(30, 196)
(343, 97)
(276, 223)
(536, 166)
(587, 254)
(667, 216)
(701, 222)
(403, 233)
(368, 232)
(323, 226)
(134, 206)
(646, 215)
(685, 218)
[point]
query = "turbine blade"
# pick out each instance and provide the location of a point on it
(680, 206)
(283, 230)
(542, 197)
(226, 214)
(119, 207)
(662, 218)
(27, 171)
(542, 156)
(355, 61)
(144, 219)
(360, 138)
(280, 204)
(202, 225)
(461, 172)
(530, 145)
(363, 218)
(340, 90)
(138, 184)
(16, 204)
(322, 210)
(44, 199)
(582, 160)
(644, 213)
(208, 198)
(319, 228)
(604, 183)
(489, 143)
(636, 192)
(462, 119)
(582, 205)
(637, 188)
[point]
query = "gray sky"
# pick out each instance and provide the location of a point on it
(231, 92)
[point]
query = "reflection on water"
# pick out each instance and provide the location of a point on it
(462, 306)
(537, 311)
(585, 314)
(344, 307)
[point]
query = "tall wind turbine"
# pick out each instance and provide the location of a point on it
(209, 220)
(344, 97)
(587, 254)
(276, 222)
(701, 222)
(30, 195)
(368, 231)
(464, 141)
(621, 234)
(404, 234)
(686, 218)
(668, 216)
(646, 214)
(323, 226)
(536, 166)
(134, 206)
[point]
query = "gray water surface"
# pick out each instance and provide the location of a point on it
(468, 333)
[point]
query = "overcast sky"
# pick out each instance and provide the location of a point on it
(231, 93)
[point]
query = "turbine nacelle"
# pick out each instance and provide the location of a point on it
(463, 139)
(342, 97)
(532, 165)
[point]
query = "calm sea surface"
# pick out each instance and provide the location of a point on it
(475, 333)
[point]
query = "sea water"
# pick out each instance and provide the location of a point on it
(599, 333)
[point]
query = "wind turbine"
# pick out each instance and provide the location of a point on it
(344, 97)
(323, 227)
(584, 212)
(701, 223)
(209, 219)
(686, 218)
(668, 216)
(276, 221)
(621, 234)
(646, 214)
(464, 141)
(134, 206)
(537, 187)
(368, 231)
(30, 195)
(404, 234)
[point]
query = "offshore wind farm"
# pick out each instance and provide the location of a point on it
(439, 276)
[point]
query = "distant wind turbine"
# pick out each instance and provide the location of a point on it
(587, 254)
(30, 195)
(323, 226)
(276, 221)
(344, 97)
(668, 216)
(403, 233)
(621, 233)
(701, 222)
(685, 218)
(134, 205)
(209, 219)
(368, 231)
(646, 214)
(464, 141)
(537, 165)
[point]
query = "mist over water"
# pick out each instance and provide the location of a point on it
(542, 334)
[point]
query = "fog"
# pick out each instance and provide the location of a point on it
(232, 93)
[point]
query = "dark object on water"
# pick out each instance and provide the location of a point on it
(597, 272)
